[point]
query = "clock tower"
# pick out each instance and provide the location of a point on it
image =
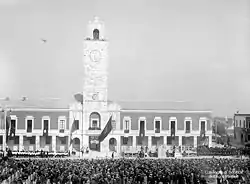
(95, 67)
(95, 85)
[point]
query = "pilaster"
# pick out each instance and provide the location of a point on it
(4, 142)
(149, 141)
(134, 141)
(180, 140)
(37, 142)
(210, 141)
(21, 142)
(195, 141)
(54, 143)
(164, 140)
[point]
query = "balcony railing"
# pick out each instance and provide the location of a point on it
(188, 131)
(157, 130)
(126, 131)
(94, 128)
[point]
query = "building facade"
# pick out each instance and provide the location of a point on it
(27, 128)
(135, 124)
(242, 128)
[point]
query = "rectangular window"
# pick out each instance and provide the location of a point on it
(203, 124)
(16, 140)
(77, 124)
(154, 141)
(142, 125)
(94, 123)
(48, 140)
(62, 125)
(45, 124)
(33, 140)
(126, 130)
(169, 140)
(172, 125)
(13, 124)
(63, 140)
(248, 137)
(29, 125)
(157, 126)
(188, 126)
(125, 140)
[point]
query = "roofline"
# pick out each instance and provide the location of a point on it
(241, 114)
(165, 111)
(39, 109)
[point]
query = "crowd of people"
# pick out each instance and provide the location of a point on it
(125, 171)
(226, 151)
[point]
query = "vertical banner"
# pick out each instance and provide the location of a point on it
(141, 131)
(106, 130)
(173, 130)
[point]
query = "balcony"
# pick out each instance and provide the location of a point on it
(187, 131)
(157, 131)
(61, 131)
(126, 131)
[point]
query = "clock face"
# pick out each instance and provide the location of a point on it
(95, 55)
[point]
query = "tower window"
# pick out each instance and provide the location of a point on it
(96, 34)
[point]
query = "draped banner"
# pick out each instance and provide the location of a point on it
(141, 131)
(45, 128)
(106, 130)
(173, 130)
(12, 129)
(8, 119)
(73, 128)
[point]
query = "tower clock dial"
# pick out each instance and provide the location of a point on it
(95, 55)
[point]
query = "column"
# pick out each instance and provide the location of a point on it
(21, 142)
(4, 142)
(164, 140)
(149, 142)
(195, 141)
(37, 142)
(54, 143)
(180, 140)
(134, 141)
(210, 141)
(118, 145)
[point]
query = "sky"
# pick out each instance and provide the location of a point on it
(195, 50)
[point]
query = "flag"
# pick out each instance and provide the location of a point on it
(106, 130)
(141, 131)
(173, 133)
(73, 128)
(8, 119)
(12, 129)
(202, 135)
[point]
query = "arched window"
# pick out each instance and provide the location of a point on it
(96, 34)
(94, 121)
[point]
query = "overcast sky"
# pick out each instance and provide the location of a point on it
(189, 50)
